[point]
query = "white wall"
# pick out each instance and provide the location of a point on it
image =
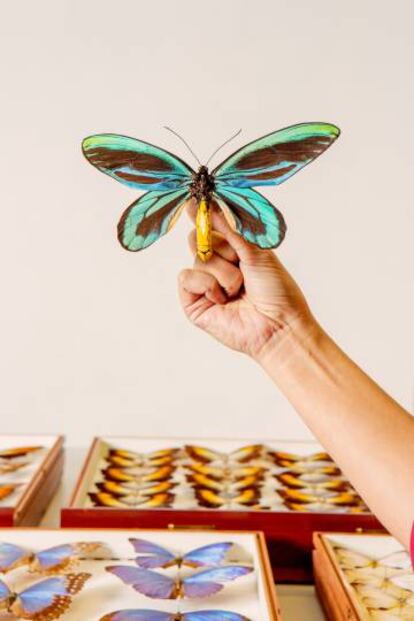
(92, 337)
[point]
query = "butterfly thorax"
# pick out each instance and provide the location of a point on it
(202, 185)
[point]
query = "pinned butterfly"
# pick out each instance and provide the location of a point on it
(171, 183)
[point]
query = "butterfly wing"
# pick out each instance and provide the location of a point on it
(155, 556)
(103, 499)
(251, 215)
(12, 556)
(5, 595)
(208, 498)
(149, 583)
(276, 157)
(150, 217)
(208, 556)
(210, 581)
(138, 615)
(48, 599)
(136, 163)
(7, 490)
(213, 615)
(20, 451)
(60, 558)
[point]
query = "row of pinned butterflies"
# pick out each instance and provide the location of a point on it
(15, 460)
(50, 598)
(253, 477)
(384, 586)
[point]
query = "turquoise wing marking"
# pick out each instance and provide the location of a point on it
(253, 216)
(136, 163)
(276, 157)
(150, 217)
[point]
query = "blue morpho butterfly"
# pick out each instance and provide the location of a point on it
(159, 586)
(157, 556)
(158, 615)
(44, 600)
(52, 560)
(270, 160)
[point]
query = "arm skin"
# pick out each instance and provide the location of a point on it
(246, 299)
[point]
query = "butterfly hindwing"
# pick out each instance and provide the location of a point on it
(252, 216)
(150, 217)
(136, 163)
(145, 581)
(272, 159)
(210, 581)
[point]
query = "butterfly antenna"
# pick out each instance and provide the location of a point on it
(184, 141)
(223, 145)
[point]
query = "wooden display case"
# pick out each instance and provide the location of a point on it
(287, 522)
(363, 576)
(30, 470)
(252, 595)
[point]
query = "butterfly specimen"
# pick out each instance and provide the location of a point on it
(270, 160)
(299, 500)
(227, 500)
(7, 490)
(143, 475)
(386, 603)
(384, 585)
(7, 466)
(52, 560)
(232, 473)
(158, 615)
(133, 489)
(21, 451)
(289, 460)
(103, 499)
(242, 455)
(312, 481)
(124, 459)
(157, 556)
(225, 485)
(44, 600)
(159, 586)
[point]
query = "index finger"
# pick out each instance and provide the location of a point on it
(220, 222)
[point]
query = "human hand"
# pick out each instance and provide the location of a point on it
(243, 296)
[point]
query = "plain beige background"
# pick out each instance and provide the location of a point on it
(92, 337)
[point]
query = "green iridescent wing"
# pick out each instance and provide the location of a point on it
(252, 215)
(141, 165)
(136, 163)
(270, 160)
(276, 157)
(150, 217)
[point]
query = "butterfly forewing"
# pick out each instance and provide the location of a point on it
(12, 556)
(272, 159)
(136, 163)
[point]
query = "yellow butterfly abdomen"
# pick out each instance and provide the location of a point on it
(203, 230)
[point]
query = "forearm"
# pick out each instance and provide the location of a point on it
(367, 433)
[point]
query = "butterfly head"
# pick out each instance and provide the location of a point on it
(202, 185)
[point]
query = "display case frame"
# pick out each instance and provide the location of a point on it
(39, 488)
(288, 534)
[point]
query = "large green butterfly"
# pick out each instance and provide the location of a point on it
(171, 183)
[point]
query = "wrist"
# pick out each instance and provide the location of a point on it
(296, 337)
